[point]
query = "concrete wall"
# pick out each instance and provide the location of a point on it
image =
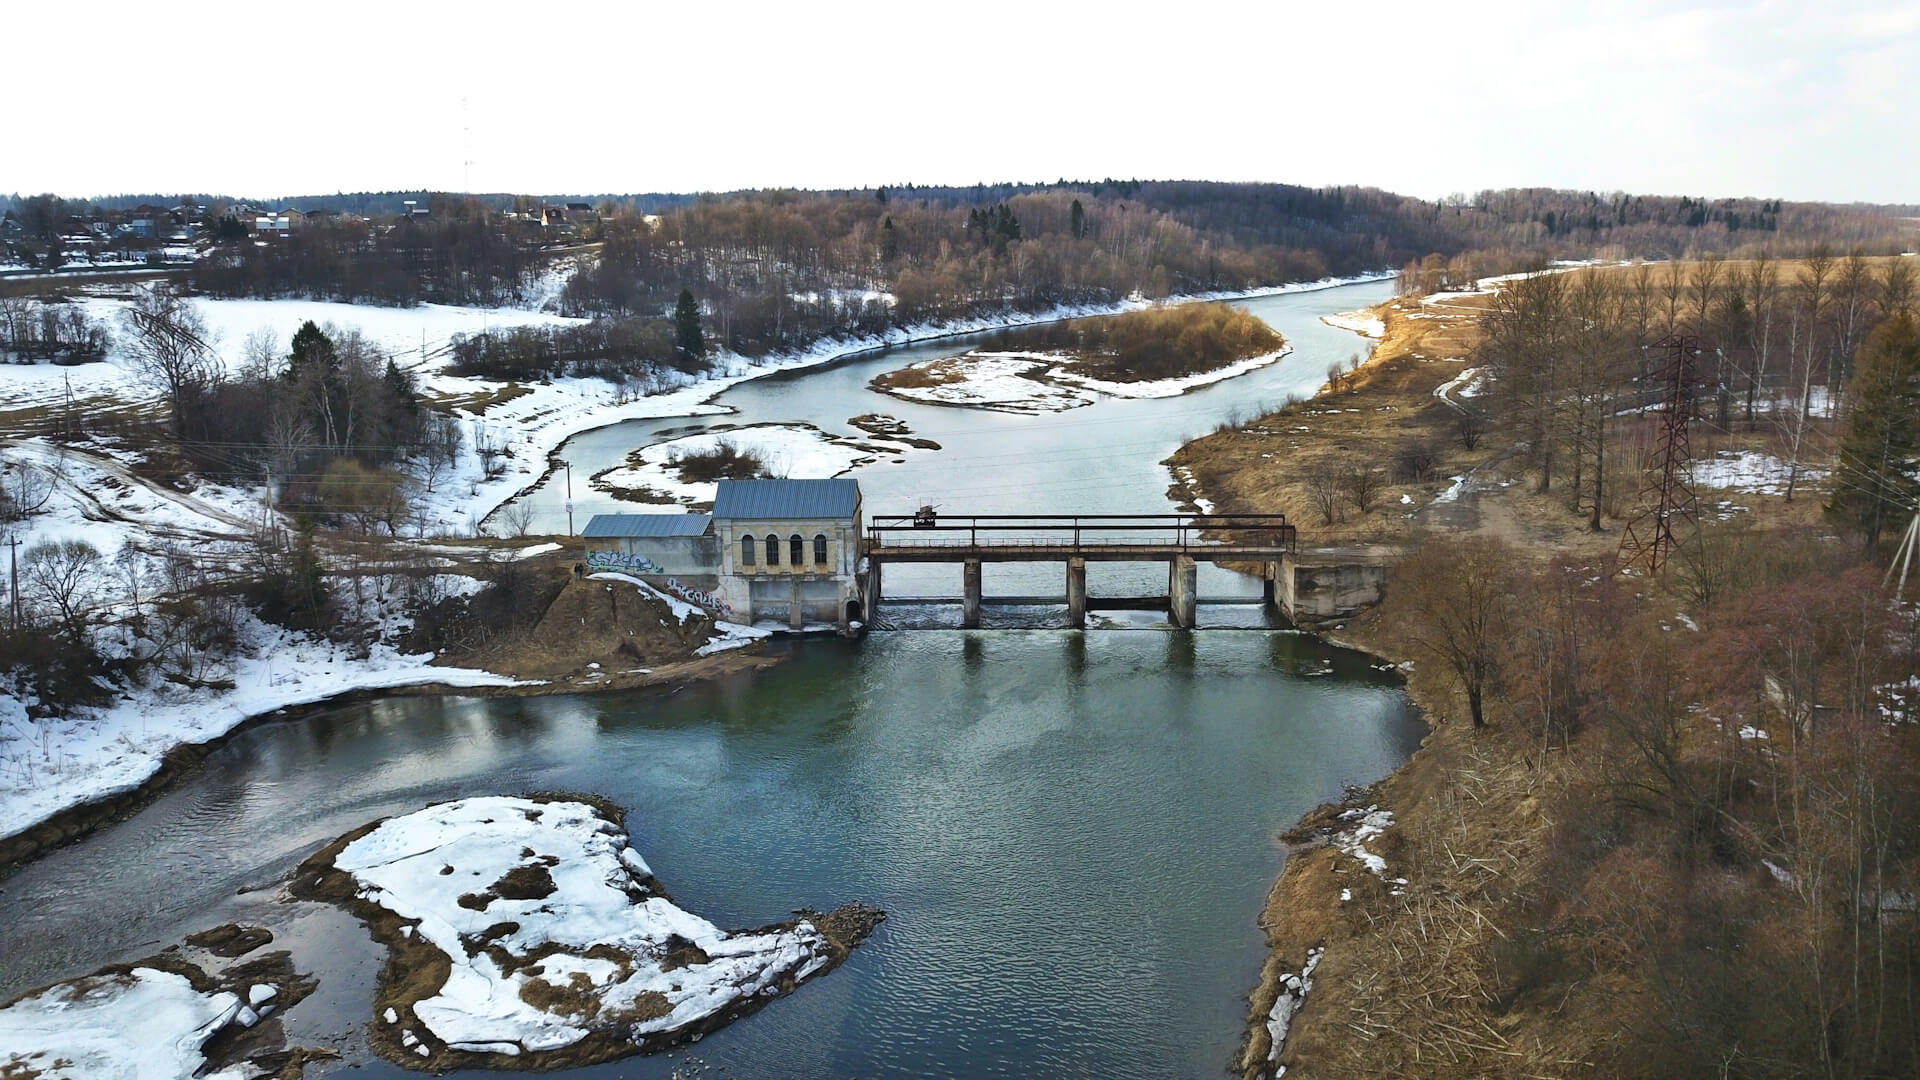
(759, 590)
(680, 556)
(843, 546)
(1316, 591)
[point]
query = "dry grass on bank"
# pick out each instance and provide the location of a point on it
(1442, 978)
(1373, 418)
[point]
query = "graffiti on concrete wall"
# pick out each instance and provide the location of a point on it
(710, 601)
(622, 560)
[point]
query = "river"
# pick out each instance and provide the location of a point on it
(1102, 458)
(1072, 833)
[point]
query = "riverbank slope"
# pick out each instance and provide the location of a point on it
(1397, 936)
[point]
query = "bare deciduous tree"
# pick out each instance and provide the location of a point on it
(1364, 482)
(1454, 602)
(1325, 481)
(24, 489)
(167, 345)
(516, 518)
(63, 575)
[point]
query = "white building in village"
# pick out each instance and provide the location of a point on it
(785, 550)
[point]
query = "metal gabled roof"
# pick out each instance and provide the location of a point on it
(773, 500)
(654, 525)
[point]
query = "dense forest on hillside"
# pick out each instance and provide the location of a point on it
(774, 270)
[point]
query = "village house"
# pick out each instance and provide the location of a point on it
(786, 550)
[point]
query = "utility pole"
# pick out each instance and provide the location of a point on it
(13, 591)
(569, 466)
(1903, 556)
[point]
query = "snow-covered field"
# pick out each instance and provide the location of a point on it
(1750, 471)
(798, 451)
(561, 876)
(47, 765)
(143, 1025)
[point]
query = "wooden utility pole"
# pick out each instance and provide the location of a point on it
(13, 589)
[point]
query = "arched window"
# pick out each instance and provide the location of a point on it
(797, 550)
(773, 550)
(820, 548)
(746, 550)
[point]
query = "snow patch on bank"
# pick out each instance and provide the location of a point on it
(1365, 825)
(145, 1024)
(1364, 323)
(51, 764)
(446, 869)
(1293, 995)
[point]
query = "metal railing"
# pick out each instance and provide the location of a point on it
(1183, 532)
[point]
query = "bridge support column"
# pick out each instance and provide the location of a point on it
(1077, 593)
(796, 613)
(970, 606)
(872, 599)
(1269, 585)
(1182, 591)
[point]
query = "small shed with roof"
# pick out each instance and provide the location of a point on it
(653, 544)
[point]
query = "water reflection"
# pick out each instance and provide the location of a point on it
(1071, 831)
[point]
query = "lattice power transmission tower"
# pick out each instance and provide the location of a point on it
(1649, 538)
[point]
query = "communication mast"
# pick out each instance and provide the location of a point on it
(1649, 538)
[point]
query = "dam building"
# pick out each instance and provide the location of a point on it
(771, 549)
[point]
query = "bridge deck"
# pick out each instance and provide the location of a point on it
(1038, 551)
(930, 538)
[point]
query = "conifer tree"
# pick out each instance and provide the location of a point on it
(1077, 224)
(1878, 479)
(687, 338)
(311, 348)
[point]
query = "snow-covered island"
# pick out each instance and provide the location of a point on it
(686, 470)
(526, 933)
(1150, 353)
(162, 1018)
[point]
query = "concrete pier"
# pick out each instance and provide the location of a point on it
(1077, 593)
(872, 598)
(796, 612)
(1182, 591)
(1326, 586)
(970, 605)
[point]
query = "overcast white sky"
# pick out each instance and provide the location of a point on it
(1798, 100)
